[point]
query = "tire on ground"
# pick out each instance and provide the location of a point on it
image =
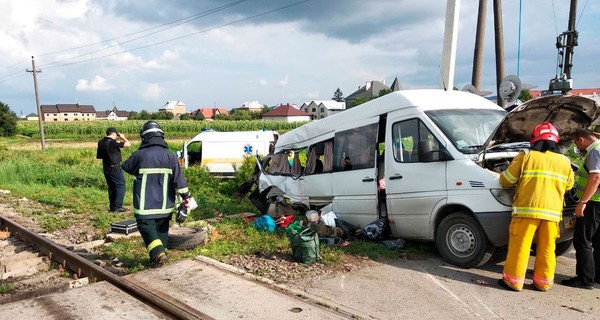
(461, 241)
(561, 248)
(187, 238)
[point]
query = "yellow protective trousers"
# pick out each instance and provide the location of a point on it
(522, 232)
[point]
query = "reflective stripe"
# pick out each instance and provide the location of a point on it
(183, 190)
(152, 211)
(581, 176)
(513, 280)
(509, 176)
(165, 190)
(143, 191)
(155, 243)
(541, 280)
(536, 212)
(156, 170)
(545, 174)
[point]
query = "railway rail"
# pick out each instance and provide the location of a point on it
(163, 303)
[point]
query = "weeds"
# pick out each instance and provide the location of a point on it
(6, 288)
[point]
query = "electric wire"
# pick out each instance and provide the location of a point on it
(581, 14)
(555, 23)
(191, 18)
(195, 17)
(180, 37)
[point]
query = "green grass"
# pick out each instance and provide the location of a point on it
(130, 251)
(6, 288)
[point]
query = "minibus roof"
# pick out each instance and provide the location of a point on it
(223, 136)
(425, 99)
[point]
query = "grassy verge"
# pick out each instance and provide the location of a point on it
(6, 288)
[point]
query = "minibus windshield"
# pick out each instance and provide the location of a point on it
(467, 129)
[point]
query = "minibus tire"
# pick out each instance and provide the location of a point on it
(461, 241)
(561, 248)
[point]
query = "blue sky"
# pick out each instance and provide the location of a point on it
(88, 51)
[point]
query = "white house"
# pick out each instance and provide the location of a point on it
(175, 107)
(114, 114)
(319, 109)
(252, 106)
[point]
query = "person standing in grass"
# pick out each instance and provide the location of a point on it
(158, 179)
(109, 150)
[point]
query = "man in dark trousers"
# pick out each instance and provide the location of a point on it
(158, 179)
(586, 239)
(110, 153)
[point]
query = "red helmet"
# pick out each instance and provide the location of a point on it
(544, 131)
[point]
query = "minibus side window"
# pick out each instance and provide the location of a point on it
(355, 148)
(315, 159)
(414, 142)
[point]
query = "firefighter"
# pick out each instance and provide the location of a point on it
(542, 176)
(158, 179)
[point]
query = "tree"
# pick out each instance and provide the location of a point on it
(384, 91)
(8, 121)
(184, 116)
(338, 95)
(525, 95)
(144, 115)
(360, 101)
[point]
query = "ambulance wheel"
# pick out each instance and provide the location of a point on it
(187, 238)
(462, 242)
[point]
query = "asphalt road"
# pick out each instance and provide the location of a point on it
(429, 288)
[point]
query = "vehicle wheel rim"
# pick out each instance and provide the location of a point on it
(461, 240)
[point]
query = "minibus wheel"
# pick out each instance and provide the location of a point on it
(462, 242)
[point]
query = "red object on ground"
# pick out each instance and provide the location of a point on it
(285, 221)
(344, 243)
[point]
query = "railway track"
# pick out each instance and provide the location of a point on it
(83, 268)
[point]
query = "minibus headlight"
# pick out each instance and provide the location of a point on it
(504, 196)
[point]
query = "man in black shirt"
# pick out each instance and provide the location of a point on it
(110, 153)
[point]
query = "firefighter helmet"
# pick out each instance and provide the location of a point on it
(151, 129)
(544, 131)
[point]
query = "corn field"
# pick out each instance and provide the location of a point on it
(172, 128)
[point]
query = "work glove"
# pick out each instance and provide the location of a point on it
(182, 212)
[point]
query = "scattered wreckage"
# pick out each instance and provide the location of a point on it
(426, 162)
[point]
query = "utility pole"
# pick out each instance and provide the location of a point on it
(35, 71)
(498, 30)
(449, 48)
(479, 40)
(571, 39)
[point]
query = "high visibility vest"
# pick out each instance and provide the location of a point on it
(542, 178)
(582, 177)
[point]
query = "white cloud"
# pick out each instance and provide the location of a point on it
(152, 92)
(263, 82)
(97, 84)
(313, 95)
(284, 81)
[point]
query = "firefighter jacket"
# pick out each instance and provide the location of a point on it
(582, 175)
(542, 179)
(158, 178)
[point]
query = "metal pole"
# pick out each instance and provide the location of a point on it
(450, 40)
(519, 39)
(479, 42)
(37, 101)
(570, 39)
(499, 49)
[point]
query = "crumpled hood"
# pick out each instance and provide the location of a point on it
(567, 113)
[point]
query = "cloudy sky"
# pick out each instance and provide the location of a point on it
(138, 54)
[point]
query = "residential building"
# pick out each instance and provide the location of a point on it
(32, 117)
(114, 114)
(319, 109)
(177, 108)
(252, 106)
(208, 113)
(286, 113)
(68, 112)
(371, 90)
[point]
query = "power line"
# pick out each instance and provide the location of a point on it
(180, 37)
(172, 24)
(581, 14)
